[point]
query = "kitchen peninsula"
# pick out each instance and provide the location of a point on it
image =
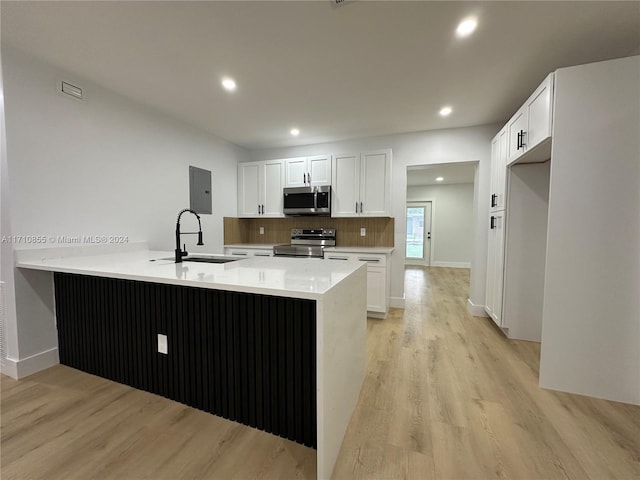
(274, 343)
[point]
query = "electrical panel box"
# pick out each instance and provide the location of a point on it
(200, 190)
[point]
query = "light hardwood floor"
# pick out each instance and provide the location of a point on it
(446, 396)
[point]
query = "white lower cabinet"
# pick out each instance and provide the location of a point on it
(249, 252)
(378, 279)
(495, 267)
(376, 289)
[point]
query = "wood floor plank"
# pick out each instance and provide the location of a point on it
(446, 395)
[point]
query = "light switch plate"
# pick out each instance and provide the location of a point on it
(163, 346)
(363, 232)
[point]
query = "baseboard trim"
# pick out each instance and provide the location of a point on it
(9, 368)
(451, 264)
(476, 310)
(396, 302)
(18, 369)
(379, 315)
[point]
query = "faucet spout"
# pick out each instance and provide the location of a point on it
(179, 252)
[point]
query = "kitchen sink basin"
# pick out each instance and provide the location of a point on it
(195, 258)
(209, 259)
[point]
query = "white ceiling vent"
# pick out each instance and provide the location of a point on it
(71, 90)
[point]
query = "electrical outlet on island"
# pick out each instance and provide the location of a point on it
(163, 346)
(363, 232)
(261, 230)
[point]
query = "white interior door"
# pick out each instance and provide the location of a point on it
(418, 234)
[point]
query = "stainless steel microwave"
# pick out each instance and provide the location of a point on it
(308, 201)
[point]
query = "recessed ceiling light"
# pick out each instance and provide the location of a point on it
(466, 27)
(295, 132)
(445, 111)
(439, 179)
(229, 84)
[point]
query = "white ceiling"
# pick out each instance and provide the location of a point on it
(336, 72)
(451, 173)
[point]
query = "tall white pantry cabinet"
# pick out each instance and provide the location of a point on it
(591, 307)
(571, 264)
(524, 139)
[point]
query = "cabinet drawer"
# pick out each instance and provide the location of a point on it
(239, 253)
(339, 256)
(372, 260)
(249, 252)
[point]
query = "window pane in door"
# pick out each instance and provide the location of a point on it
(415, 232)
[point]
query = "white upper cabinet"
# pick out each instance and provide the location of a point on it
(308, 171)
(319, 170)
(272, 185)
(517, 126)
(248, 189)
(375, 183)
(499, 153)
(345, 195)
(295, 172)
(361, 184)
(530, 128)
(260, 189)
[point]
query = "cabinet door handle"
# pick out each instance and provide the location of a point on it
(492, 223)
(309, 178)
(304, 176)
(494, 203)
(337, 258)
(356, 207)
(372, 260)
(521, 143)
(360, 207)
(263, 209)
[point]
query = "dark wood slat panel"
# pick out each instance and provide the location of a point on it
(248, 358)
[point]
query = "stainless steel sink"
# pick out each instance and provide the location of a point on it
(196, 258)
(209, 259)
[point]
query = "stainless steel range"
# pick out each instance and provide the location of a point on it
(307, 242)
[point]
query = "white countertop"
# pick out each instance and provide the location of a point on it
(284, 277)
(381, 250)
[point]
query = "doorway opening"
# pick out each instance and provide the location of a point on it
(440, 214)
(418, 234)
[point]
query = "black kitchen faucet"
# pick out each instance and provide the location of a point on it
(183, 253)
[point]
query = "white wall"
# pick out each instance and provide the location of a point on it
(106, 166)
(525, 250)
(591, 312)
(451, 221)
(6, 258)
(420, 148)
